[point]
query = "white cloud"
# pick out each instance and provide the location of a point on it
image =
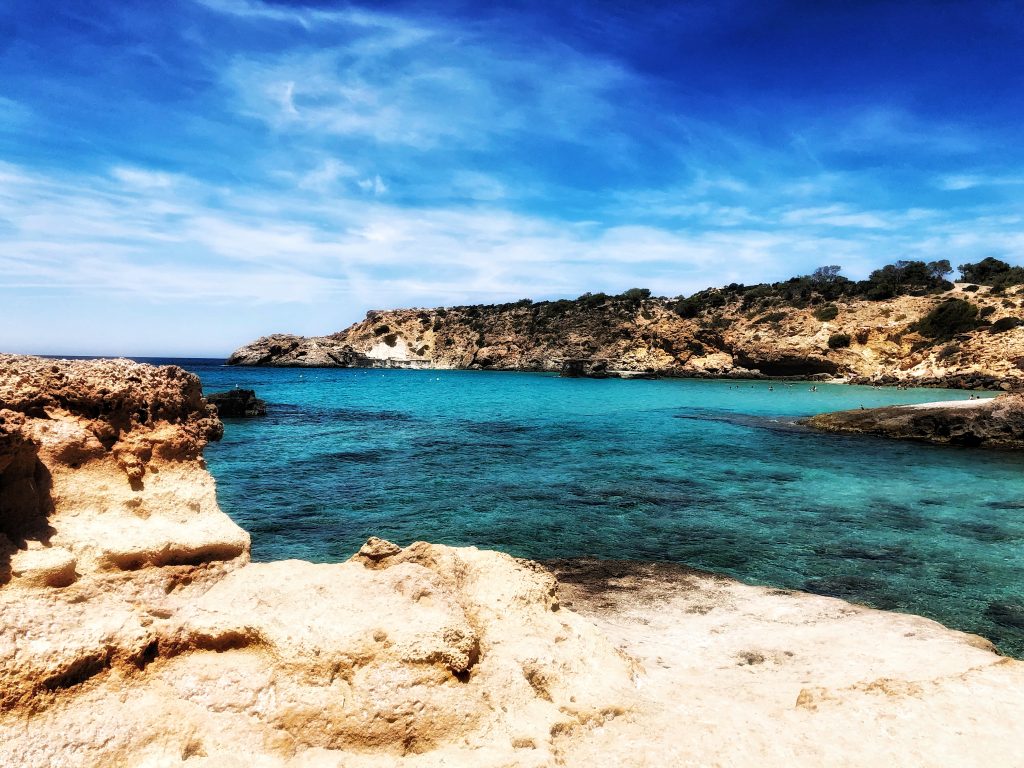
(956, 182)
(374, 185)
(839, 216)
(142, 179)
(97, 236)
(405, 85)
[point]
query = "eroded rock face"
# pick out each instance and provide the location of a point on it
(615, 336)
(134, 632)
(993, 423)
(103, 460)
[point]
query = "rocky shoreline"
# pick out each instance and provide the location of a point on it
(990, 423)
(135, 631)
(881, 342)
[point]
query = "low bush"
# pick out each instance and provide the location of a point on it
(1005, 324)
(702, 301)
(771, 317)
(826, 312)
(635, 295)
(839, 340)
(948, 319)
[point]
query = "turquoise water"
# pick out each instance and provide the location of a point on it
(708, 473)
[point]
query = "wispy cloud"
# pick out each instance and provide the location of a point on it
(264, 166)
(971, 181)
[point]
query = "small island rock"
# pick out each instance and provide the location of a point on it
(237, 403)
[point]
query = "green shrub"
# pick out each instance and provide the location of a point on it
(1005, 324)
(994, 272)
(948, 351)
(905, 277)
(699, 302)
(986, 311)
(380, 330)
(635, 295)
(839, 340)
(971, 288)
(771, 317)
(391, 339)
(827, 312)
(948, 319)
(590, 300)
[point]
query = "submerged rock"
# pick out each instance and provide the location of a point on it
(990, 423)
(237, 403)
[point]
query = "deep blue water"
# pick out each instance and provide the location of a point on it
(708, 473)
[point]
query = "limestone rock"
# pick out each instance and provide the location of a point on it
(991, 423)
(133, 631)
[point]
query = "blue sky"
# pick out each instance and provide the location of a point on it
(181, 177)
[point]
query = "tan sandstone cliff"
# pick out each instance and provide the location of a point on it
(134, 631)
(596, 338)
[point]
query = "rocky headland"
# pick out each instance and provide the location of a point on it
(134, 631)
(990, 423)
(950, 335)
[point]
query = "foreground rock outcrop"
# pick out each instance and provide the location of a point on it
(991, 423)
(134, 631)
(860, 340)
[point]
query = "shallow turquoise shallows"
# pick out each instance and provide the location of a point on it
(713, 474)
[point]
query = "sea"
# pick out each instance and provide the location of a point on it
(718, 475)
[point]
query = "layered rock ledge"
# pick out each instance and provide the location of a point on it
(991, 423)
(134, 631)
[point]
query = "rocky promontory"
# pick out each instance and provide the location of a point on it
(134, 631)
(990, 423)
(960, 335)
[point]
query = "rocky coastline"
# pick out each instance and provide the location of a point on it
(849, 339)
(990, 423)
(135, 631)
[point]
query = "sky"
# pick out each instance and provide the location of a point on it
(181, 177)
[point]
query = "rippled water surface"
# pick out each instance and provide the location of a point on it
(709, 473)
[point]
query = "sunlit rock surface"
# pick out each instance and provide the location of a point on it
(134, 631)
